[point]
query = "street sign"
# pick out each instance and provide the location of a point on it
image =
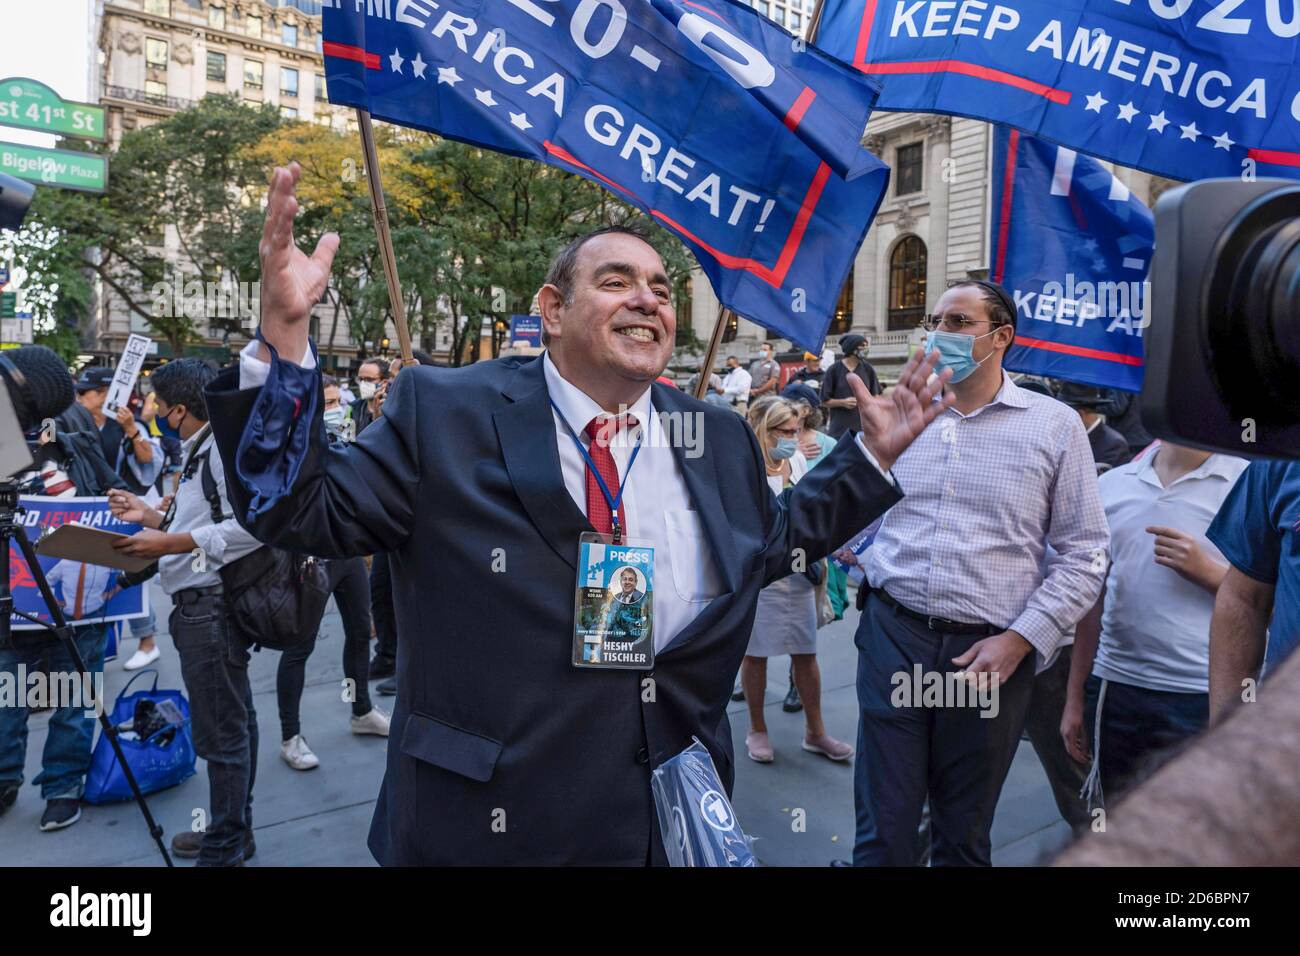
(8, 304)
(55, 167)
(4, 276)
(17, 330)
(30, 104)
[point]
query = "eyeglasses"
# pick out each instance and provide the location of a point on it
(792, 432)
(954, 322)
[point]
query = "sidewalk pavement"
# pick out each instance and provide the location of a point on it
(321, 817)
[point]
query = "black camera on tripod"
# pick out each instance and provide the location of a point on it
(1223, 348)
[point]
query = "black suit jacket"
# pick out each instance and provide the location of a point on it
(501, 750)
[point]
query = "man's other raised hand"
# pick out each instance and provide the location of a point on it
(891, 422)
(292, 281)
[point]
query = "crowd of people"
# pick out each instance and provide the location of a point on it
(1101, 593)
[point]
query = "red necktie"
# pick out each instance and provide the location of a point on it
(601, 430)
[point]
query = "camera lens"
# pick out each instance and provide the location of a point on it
(1252, 294)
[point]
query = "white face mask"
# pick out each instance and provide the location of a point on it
(366, 390)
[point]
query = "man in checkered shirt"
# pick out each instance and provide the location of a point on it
(959, 582)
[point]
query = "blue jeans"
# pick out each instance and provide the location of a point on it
(142, 627)
(66, 757)
(214, 665)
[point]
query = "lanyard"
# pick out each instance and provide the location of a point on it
(610, 500)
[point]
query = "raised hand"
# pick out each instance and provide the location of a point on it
(292, 281)
(891, 422)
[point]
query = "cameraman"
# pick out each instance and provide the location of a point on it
(67, 465)
(214, 657)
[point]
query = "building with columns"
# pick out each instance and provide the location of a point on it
(156, 57)
(932, 228)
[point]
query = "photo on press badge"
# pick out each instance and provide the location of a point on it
(614, 610)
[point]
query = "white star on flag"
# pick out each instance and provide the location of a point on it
(395, 61)
(1222, 142)
(1190, 131)
(520, 120)
(1096, 102)
(1158, 122)
(1090, 245)
(485, 97)
(418, 66)
(1127, 112)
(448, 75)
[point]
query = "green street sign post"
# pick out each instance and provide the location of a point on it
(55, 167)
(8, 304)
(30, 104)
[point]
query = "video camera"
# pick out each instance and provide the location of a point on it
(1223, 348)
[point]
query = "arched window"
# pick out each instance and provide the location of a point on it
(842, 319)
(907, 265)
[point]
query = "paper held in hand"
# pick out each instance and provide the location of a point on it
(128, 370)
(79, 542)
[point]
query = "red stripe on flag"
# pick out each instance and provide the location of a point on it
(1061, 97)
(355, 53)
(795, 116)
(1079, 350)
(774, 276)
(1004, 214)
(712, 13)
(1275, 156)
(864, 32)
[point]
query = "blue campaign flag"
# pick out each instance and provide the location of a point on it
(526, 329)
(1072, 245)
(1184, 88)
(723, 127)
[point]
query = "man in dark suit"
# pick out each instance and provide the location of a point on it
(503, 751)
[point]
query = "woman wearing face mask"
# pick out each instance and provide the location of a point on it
(786, 620)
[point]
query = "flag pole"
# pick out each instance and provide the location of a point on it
(386, 255)
(710, 356)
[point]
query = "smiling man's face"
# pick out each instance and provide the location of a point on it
(620, 320)
(629, 581)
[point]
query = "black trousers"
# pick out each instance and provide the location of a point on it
(381, 606)
(214, 666)
(351, 589)
(1043, 725)
(953, 754)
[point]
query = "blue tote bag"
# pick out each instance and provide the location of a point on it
(161, 760)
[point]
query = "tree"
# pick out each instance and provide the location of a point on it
(54, 277)
(185, 178)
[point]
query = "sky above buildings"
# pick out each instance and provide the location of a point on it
(48, 41)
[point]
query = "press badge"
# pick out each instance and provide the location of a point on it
(614, 604)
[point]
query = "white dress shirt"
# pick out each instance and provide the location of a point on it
(98, 580)
(221, 543)
(736, 384)
(656, 506)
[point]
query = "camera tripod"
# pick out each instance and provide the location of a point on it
(62, 631)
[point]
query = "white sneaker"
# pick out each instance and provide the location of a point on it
(297, 754)
(142, 659)
(373, 722)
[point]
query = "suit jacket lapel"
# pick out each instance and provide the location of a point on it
(526, 430)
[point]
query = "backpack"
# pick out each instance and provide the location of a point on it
(275, 598)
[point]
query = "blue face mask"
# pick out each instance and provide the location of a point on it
(785, 448)
(165, 427)
(955, 352)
